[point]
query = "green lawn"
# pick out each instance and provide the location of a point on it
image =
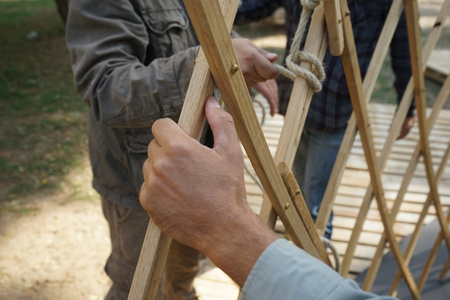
(43, 121)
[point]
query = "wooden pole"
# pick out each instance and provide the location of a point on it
(299, 102)
(352, 73)
(156, 244)
(430, 44)
(370, 79)
(415, 236)
(216, 43)
(431, 258)
(376, 261)
(333, 17)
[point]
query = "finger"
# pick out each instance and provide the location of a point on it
(265, 68)
(269, 55)
(152, 150)
(222, 125)
(146, 170)
(165, 130)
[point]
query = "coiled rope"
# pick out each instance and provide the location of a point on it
(315, 77)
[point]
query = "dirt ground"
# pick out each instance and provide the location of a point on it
(56, 248)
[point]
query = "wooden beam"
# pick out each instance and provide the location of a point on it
(216, 44)
(333, 17)
(299, 102)
(414, 160)
(370, 79)
(352, 73)
(302, 209)
(156, 244)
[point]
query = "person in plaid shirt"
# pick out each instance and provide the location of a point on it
(331, 108)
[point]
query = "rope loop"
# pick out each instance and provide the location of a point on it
(309, 4)
(312, 78)
(315, 77)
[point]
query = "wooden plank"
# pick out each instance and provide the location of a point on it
(431, 42)
(349, 137)
(438, 67)
(298, 107)
(333, 17)
(216, 43)
(353, 76)
(156, 244)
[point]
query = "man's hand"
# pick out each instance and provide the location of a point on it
(269, 89)
(256, 63)
(197, 195)
(406, 127)
(183, 179)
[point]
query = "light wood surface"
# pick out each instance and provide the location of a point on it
(214, 284)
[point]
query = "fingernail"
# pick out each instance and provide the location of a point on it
(271, 55)
(214, 102)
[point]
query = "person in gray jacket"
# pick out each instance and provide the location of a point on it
(132, 61)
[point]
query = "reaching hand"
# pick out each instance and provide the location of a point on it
(256, 63)
(269, 89)
(406, 127)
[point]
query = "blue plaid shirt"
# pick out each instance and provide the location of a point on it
(331, 108)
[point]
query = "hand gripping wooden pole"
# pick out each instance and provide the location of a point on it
(218, 49)
(156, 244)
(215, 40)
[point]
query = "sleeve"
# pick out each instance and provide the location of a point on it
(400, 60)
(108, 43)
(284, 271)
(255, 10)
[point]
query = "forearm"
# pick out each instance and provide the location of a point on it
(239, 246)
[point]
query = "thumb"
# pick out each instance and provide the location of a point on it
(222, 126)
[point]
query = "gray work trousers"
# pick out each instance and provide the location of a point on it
(127, 230)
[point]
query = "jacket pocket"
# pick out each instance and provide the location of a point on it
(137, 140)
(168, 24)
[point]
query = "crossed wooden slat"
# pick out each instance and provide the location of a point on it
(440, 101)
(212, 29)
(216, 43)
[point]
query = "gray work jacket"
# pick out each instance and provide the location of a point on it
(132, 62)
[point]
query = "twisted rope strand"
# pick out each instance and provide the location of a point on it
(315, 77)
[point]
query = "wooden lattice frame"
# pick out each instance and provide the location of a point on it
(212, 29)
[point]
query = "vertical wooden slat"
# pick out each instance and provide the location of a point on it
(430, 44)
(341, 160)
(216, 43)
(333, 17)
(414, 160)
(299, 102)
(156, 244)
(352, 73)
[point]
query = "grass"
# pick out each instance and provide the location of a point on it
(43, 121)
